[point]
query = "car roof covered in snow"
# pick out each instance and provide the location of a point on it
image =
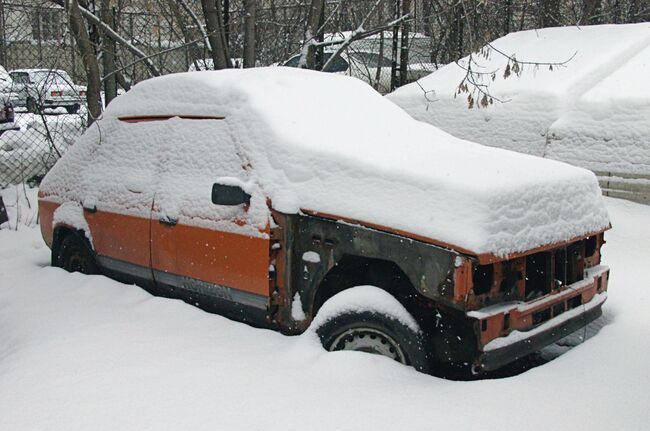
(331, 144)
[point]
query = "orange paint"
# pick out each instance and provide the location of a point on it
(227, 259)
(119, 236)
(46, 214)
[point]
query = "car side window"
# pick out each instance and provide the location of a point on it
(339, 64)
(293, 61)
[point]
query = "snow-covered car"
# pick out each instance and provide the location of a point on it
(382, 234)
(367, 66)
(39, 89)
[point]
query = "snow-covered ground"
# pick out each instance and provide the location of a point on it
(87, 353)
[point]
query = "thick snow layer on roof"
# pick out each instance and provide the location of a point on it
(328, 143)
(593, 111)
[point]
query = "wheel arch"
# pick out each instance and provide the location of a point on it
(355, 270)
(59, 233)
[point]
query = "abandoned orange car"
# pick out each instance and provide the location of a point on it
(266, 194)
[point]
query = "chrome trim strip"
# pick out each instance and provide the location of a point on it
(211, 289)
(124, 267)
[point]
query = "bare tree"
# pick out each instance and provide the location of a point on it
(591, 12)
(108, 52)
(216, 33)
(91, 66)
(312, 29)
(250, 7)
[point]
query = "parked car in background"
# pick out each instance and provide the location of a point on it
(370, 67)
(7, 100)
(384, 235)
(208, 64)
(39, 89)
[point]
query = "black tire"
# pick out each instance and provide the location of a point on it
(72, 109)
(31, 106)
(387, 336)
(74, 255)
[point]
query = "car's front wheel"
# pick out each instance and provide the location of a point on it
(378, 331)
(75, 255)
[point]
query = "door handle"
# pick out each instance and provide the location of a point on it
(169, 221)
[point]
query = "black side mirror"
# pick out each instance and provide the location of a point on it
(229, 195)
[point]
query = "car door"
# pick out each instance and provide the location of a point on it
(118, 185)
(211, 255)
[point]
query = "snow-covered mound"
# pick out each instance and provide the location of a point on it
(331, 144)
(593, 111)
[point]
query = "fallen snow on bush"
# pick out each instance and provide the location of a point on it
(593, 111)
(88, 353)
(326, 143)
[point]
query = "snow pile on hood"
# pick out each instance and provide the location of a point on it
(329, 143)
(593, 111)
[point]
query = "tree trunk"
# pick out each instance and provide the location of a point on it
(404, 45)
(591, 12)
(215, 33)
(456, 43)
(313, 21)
(194, 51)
(507, 16)
(549, 13)
(226, 23)
(91, 66)
(250, 7)
(108, 53)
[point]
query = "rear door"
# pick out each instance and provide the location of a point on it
(213, 256)
(119, 185)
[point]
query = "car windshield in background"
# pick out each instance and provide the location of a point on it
(370, 59)
(339, 64)
(20, 77)
(53, 77)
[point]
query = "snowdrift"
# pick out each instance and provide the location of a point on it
(331, 144)
(593, 111)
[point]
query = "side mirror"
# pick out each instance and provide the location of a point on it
(229, 195)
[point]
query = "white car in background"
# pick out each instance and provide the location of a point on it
(367, 66)
(40, 89)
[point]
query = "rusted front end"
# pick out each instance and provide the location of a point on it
(519, 305)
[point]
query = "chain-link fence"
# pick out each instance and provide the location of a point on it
(42, 77)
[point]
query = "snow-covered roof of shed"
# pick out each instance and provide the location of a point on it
(331, 144)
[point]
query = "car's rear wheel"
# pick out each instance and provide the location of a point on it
(378, 332)
(32, 106)
(74, 255)
(72, 109)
